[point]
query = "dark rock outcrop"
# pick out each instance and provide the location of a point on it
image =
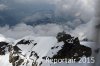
(71, 48)
(23, 41)
(3, 46)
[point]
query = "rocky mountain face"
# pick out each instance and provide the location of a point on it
(4, 48)
(33, 51)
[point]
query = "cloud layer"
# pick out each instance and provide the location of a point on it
(23, 11)
(21, 30)
(3, 7)
(26, 9)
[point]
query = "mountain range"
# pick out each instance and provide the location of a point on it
(35, 51)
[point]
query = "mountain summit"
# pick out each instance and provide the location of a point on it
(34, 51)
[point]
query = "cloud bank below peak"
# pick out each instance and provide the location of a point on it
(21, 30)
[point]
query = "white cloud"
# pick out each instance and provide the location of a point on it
(3, 7)
(19, 31)
(87, 30)
(72, 7)
(22, 30)
(48, 29)
(83, 9)
(65, 5)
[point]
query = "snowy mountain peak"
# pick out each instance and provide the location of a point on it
(33, 51)
(2, 38)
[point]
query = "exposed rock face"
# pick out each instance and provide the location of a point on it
(23, 41)
(97, 50)
(71, 48)
(3, 47)
(85, 39)
(17, 58)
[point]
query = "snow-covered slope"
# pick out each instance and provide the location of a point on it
(4, 51)
(38, 46)
(31, 51)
